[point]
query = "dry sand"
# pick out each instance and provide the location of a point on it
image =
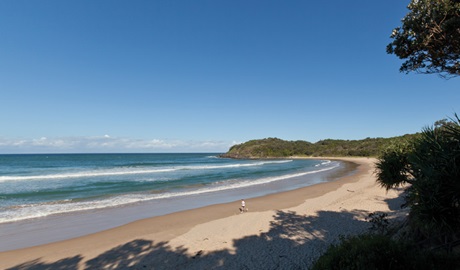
(286, 230)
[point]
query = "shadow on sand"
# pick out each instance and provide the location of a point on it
(292, 242)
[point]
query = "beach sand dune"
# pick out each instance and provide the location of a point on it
(287, 230)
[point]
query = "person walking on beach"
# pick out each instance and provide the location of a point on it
(243, 206)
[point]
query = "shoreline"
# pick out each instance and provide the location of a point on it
(204, 232)
(64, 226)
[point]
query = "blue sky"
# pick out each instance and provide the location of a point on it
(200, 76)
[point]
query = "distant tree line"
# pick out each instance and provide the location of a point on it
(278, 148)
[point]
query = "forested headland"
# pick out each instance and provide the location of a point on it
(278, 148)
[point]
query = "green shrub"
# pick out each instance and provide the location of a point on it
(380, 252)
(431, 165)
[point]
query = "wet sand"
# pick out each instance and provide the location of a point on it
(282, 230)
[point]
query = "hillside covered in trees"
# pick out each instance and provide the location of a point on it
(277, 148)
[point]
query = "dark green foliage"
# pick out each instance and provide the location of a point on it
(429, 38)
(435, 195)
(432, 166)
(276, 148)
(379, 222)
(392, 169)
(267, 148)
(380, 252)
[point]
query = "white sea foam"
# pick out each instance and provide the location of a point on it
(323, 162)
(120, 172)
(236, 165)
(81, 174)
(23, 212)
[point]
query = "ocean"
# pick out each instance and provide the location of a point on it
(34, 186)
(47, 198)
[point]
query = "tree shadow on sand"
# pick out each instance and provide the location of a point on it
(67, 263)
(292, 242)
(398, 202)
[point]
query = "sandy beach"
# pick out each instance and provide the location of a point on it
(281, 231)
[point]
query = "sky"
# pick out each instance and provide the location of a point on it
(200, 76)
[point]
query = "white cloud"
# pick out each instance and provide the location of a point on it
(108, 144)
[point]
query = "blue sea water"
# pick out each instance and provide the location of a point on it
(34, 186)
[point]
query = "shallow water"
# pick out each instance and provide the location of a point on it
(47, 198)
